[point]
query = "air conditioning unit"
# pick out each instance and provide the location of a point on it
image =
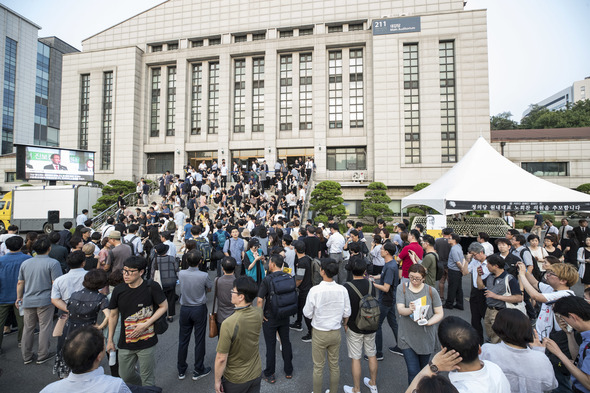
(358, 176)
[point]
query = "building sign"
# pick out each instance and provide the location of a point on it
(396, 26)
(518, 206)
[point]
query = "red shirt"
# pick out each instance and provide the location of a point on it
(404, 255)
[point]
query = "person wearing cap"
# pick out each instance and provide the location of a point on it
(90, 261)
(118, 254)
(168, 268)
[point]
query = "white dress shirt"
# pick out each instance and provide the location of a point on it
(335, 243)
(90, 382)
(488, 248)
(472, 267)
(326, 305)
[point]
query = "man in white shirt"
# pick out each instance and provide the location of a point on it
(477, 299)
(335, 246)
(564, 229)
(179, 218)
(328, 307)
(82, 217)
(551, 228)
(134, 240)
(87, 376)
(473, 375)
(484, 239)
(12, 231)
(509, 219)
(166, 238)
(223, 170)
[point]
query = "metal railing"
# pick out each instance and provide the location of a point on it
(305, 208)
(130, 199)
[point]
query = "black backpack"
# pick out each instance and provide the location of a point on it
(283, 295)
(367, 318)
(440, 269)
(130, 244)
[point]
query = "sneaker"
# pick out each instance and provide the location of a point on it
(306, 338)
(396, 350)
(45, 359)
(296, 327)
(367, 384)
(181, 376)
(28, 361)
(197, 376)
(347, 389)
(379, 357)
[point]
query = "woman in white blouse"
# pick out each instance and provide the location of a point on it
(520, 354)
(538, 252)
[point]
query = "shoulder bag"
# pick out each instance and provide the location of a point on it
(213, 332)
(161, 325)
(519, 306)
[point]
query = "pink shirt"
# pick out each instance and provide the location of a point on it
(404, 255)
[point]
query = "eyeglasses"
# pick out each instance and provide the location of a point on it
(129, 272)
(550, 273)
(235, 292)
(416, 279)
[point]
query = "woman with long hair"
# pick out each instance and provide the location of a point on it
(417, 329)
(584, 259)
(570, 248)
(551, 246)
(323, 247)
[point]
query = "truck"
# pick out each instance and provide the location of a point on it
(28, 207)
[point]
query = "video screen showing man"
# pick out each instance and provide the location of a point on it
(88, 166)
(55, 163)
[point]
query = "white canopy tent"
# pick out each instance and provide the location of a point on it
(485, 180)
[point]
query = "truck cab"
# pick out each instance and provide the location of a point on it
(5, 210)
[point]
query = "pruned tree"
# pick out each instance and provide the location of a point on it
(326, 201)
(376, 203)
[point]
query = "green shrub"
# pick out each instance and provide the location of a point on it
(376, 203)
(326, 201)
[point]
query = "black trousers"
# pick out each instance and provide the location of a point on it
(455, 295)
(302, 298)
(252, 386)
(478, 306)
(170, 293)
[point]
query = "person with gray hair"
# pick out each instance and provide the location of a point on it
(476, 255)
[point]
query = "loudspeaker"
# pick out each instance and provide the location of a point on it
(53, 216)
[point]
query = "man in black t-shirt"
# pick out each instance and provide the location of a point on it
(312, 243)
(304, 284)
(357, 339)
(140, 304)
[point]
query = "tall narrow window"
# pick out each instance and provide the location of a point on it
(286, 108)
(411, 104)
(155, 109)
(240, 96)
(9, 93)
(42, 134)
(107, 120)
(213, 118)
(197, 99)
(448, 115)
(357, 119)
(84, 110)
(171, 102)
(258, 94)
(305, 92)
(335, 89)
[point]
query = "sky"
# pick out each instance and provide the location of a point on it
(535, 47)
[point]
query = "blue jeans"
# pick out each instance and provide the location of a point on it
(192, 317)
(414, 363)
(389, 313)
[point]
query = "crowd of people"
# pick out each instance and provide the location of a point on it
(115, 289)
